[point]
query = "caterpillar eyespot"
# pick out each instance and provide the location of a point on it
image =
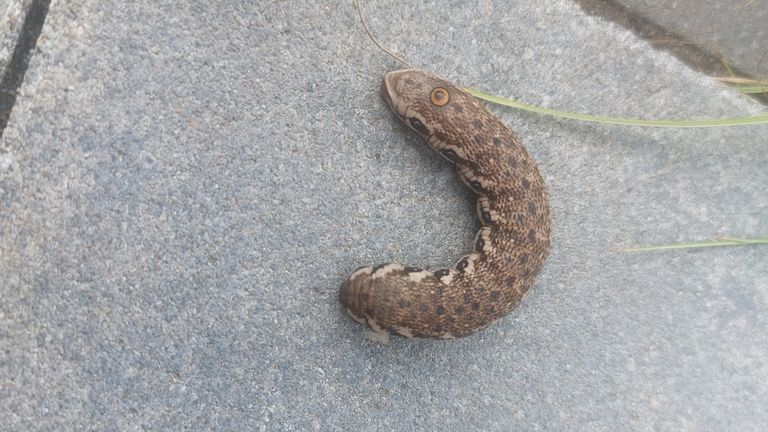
(439, 96)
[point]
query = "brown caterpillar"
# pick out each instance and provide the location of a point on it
(510, 248)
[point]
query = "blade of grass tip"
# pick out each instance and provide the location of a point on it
(757, 240)
(617, 120)
(753, 89)
(701, 244)
(741, 80)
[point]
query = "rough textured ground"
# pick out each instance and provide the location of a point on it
(733, 31)
(183, 188)
(12, 14)
(719, 39)
(15, 19)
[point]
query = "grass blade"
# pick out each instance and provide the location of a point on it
(753, 89)
(702, 244)
(621, 121)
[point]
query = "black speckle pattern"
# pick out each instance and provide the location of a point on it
(462, 265)
(441, 273)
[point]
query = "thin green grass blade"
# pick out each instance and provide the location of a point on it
(621, 121)
(701, 244)
(753, 89)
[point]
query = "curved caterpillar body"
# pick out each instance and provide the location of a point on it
(510, 249)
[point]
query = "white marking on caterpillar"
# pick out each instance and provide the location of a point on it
(389, 268)
(374, 325)
(470, 263)
(400, 107)
(411, 114)
(361, 271)
(441, 146)
(404, 331)
(419, 276)
(485, 235)
(447, 279)
(355, 317)
(484, 206)
(474, 181)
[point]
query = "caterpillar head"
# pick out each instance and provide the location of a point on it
(446, 116)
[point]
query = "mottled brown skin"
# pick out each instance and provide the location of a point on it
(510, 248)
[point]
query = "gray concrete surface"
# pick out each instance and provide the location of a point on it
(719, 39)
(734, 31)
(183, 188)
(12, 13)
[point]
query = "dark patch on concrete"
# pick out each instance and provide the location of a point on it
(17, 68)
(696, 56)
